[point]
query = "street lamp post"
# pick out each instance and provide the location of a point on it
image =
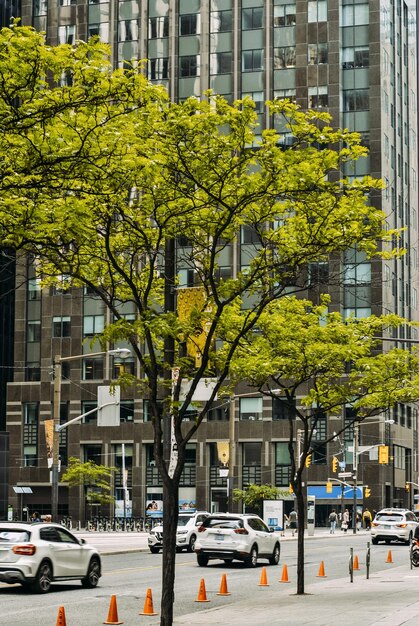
(58, 359)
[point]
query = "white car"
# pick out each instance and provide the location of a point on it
(185, 535)
(236, 537)
(37, 554)
(393, 525)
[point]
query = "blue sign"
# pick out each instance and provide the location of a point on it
(319, 491)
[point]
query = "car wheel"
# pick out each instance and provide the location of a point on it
(202, 560)
(93, 574)
(43, 578)
(252, 559)
(191, 547)
(274, 559)
(374, 541)
(154, 550)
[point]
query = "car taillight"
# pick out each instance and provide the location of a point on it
(241, 531)
(401, 525)
(201, 529)
(374, 524)
(27, 549)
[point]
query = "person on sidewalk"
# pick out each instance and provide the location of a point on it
(332, 521)
(36, 517)
(366, 518)
(345, 521)
(293, 521)
(286, 524)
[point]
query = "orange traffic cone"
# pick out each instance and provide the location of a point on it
(321, 573)
(356, 563)
(113, 613)
(223, 587)
(202, 594)
(284, 577)
(389, 557)
(61, 617)
(263, 578)
(148, 604)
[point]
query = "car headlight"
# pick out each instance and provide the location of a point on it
(182, 532)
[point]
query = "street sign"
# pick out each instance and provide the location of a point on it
(345, 474)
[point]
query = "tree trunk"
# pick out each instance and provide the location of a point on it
(300, 540)
(170, 520)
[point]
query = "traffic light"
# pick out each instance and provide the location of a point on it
(308, 460)
(367, 492)
(383, 455)
(329, 487)
(407, 487)
(335, 464)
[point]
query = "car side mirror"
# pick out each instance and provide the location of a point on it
(82, 541)
(272, 530)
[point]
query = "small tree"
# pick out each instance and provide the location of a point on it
(94, 478)
(254, 495)
(317, 362)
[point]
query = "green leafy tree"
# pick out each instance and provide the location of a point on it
(103, 178)
(302, 352)
(94, 478)
(254, 495)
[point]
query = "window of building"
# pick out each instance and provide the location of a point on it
(258, 99)
(356, 100)
(221, 63)
(399, 457)
(284, 15)
(252, 18)
(67, 34)
(61, 326)
(355, 14)
(219, 413)
(34, 289)
(93, 368)
(221, 21)
(128, 30)
(93, 325)
(158, 69)
(30, 433)
(67, 3)
(249, 235)
(147, 416)
(283, 409)
(33, 330)
(282, 453)
(93, 452)
(284, 57)
(281, 94)
(355, 56)
(251, 409)
(252, 60)
(318, 273)
(158, 27)
(318, 97)
(317, 53)
(30, 456)
(189, 24)
(317, 11)
(252, 453)
(33, 371)
(30, 412)
(40, 7)
(189, 65)
(100, 30)
(126, 410)
(86, 406)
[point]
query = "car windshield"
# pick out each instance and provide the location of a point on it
(184, 519)
(14, 536)
(389, 517)
(222, 523)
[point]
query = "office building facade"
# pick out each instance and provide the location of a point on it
(354, 59)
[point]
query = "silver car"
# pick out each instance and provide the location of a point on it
(37, 554)
(393, 525)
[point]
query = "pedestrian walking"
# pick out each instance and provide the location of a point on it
(293, 521)
(345, 521)
(286, 524)
(366, 518)
(332, 521)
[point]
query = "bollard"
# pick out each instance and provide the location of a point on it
(351, 565)
(368, 559)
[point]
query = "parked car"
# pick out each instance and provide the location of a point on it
(393, 525)
(37, 554)
(185, 535)
(236, 537)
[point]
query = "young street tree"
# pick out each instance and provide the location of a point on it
(95, 480)
(129, 192)
(317, 363)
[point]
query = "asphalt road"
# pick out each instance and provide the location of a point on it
(129, 575)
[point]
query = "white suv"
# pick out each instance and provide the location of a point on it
(185, 535)
(393, 524)
(239, 537)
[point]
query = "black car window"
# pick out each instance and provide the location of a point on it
(49, 534)
(14, 535)
(222, 523)
(66, 537)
